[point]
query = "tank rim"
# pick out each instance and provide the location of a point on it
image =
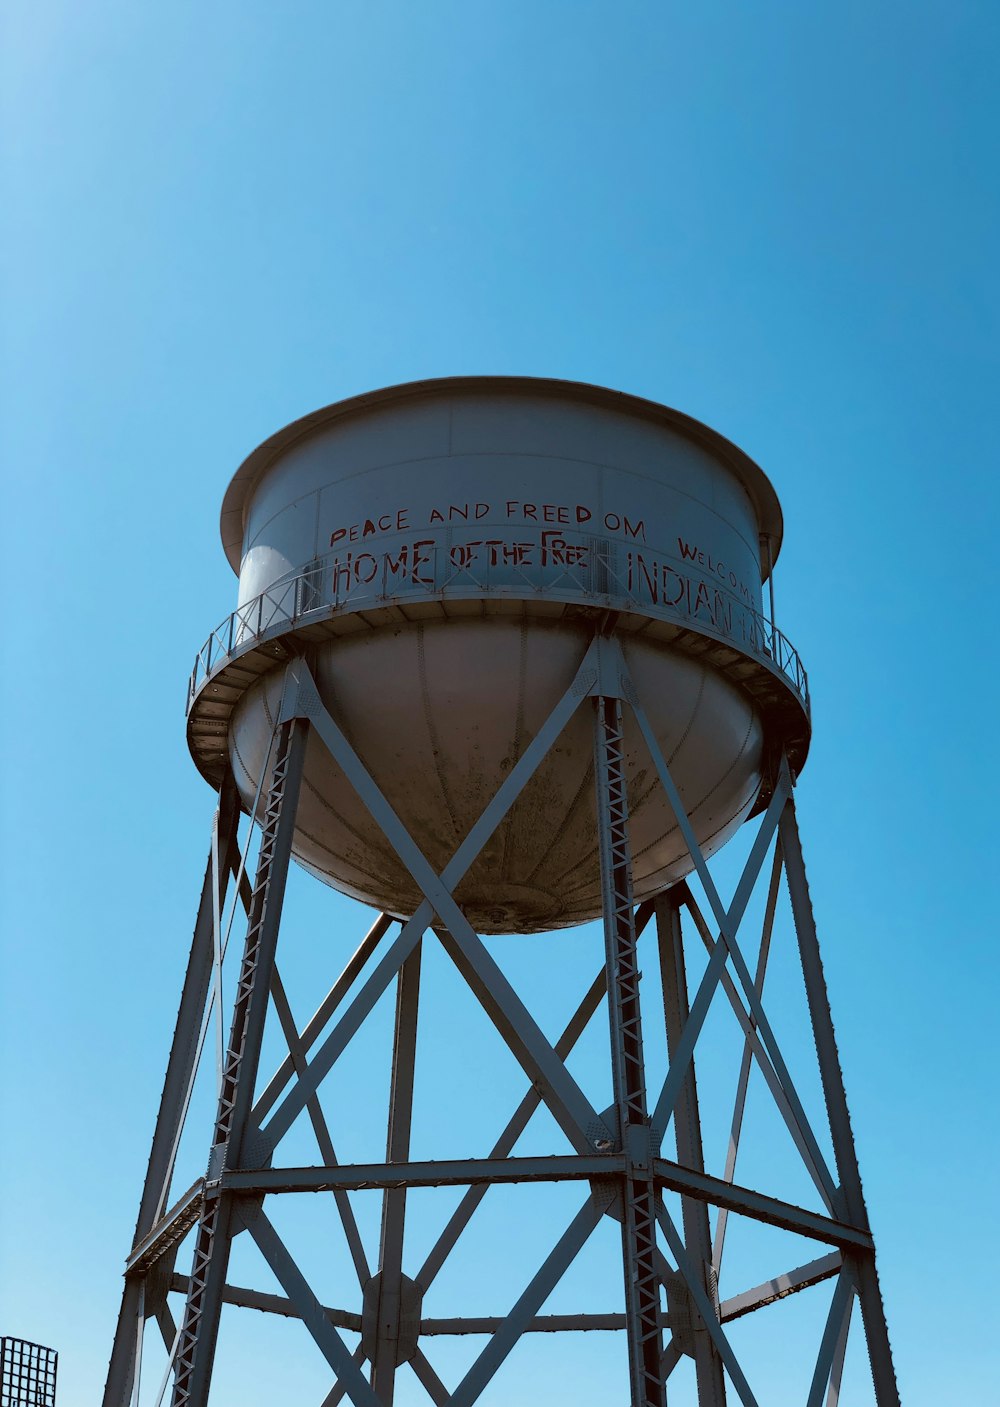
(243, 483)
(213, 697)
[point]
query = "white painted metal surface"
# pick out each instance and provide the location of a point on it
(467, 537)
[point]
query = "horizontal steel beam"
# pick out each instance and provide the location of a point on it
(568, 1168)
(458, 1172)
(746, 1202)
(541, 1324)
(172, 1227)
(734, 1308)
(244, 1298)
(271, 1304)
(781, 1286)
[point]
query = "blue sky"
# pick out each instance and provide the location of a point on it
(780, 218)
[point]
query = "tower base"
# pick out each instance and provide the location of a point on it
(668, 1308)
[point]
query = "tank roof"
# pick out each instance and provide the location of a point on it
(756, 483)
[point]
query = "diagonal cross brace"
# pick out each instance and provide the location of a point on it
(315, 1072)
(306, 700)
(320, 1128)
(312, 1313)
(728, 945)
(338, 1392)
(296, 1054)
(555, 1265)
(728, 941)
(704, 1306)
(518, 1123)
(684, 1050)
(569, 1105)
(782, 1089)
(833, 1332)
(839, 1355)
(429, 1380)
(314, 1026)
(567, 1102)
(746, 1060)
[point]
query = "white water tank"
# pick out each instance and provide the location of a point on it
(444, 552)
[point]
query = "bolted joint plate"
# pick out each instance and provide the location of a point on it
(216, 1162)
(611, 679)
(607, 1195)
(391, 1317)
(639, 1148)
(584, 683)
(300, 698)
(257, 1151)
(640, 1144)
(681, 1313)
(605, 1137)
(246, 1211)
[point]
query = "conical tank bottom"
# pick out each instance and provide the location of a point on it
(440, 712)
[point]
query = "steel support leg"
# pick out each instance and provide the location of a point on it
(869, 1291)
(388, 1347)
(180, 1069)
(743, 1080)
(687, 1128)
(196, 1346)
(642, 1281)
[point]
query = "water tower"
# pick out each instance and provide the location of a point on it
(500, 664)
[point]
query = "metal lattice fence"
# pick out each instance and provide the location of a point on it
(27, 1374)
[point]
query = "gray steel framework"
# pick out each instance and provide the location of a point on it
(671, 1306)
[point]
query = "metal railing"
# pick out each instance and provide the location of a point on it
(574, 568)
